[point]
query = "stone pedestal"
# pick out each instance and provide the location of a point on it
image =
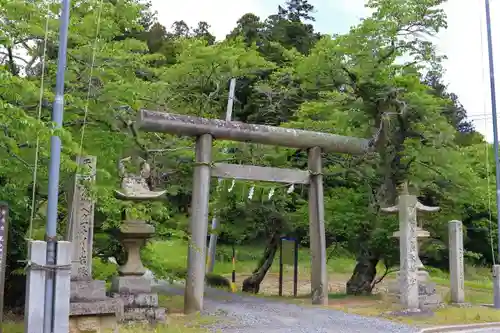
(414, 292)
(98, 324)
(131, 287)
(91, 310)
(428, 298)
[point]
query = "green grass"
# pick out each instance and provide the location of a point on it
(165, 258)
(12, 327)
(184, 325)
(172, 255)
(169, 257)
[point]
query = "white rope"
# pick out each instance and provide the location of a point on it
(94, 52)
(37, 149)
(86, 107)
(486, 144)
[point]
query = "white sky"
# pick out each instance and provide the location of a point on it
(462, 42)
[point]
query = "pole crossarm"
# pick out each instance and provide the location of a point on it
(258, 173)
(182, 125)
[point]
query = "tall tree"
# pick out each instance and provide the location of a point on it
(250, 28)
(202, 31)
(181, 29)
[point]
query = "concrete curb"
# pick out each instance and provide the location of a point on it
(457, 328)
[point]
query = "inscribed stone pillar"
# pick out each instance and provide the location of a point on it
(81, 220)
(319, 277)
(408, 253)
(496, 286)
(4, 233)
(408, 250)
(456, 255)
(198, 226)
(88, 301)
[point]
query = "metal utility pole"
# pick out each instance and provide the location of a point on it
(55, 161)
(495, 132)
(213, 235)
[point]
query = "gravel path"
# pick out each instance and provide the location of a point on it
(246, 314)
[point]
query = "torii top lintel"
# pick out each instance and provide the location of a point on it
(182, 125)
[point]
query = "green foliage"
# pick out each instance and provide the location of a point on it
(103, 271)
(368, 83)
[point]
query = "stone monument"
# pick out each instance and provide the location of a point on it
(456, 256)
(90, 309)
(413, 286)
(131, 286)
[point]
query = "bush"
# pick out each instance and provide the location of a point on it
(102, 270)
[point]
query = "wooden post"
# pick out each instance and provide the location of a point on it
(198, 226)
(233, 273)
(35, 288)
(280, 277)
(319, 277)
(4, 232)
(295, 267)
(62, 287)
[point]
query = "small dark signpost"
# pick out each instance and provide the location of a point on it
(4, 228)
(289, 255)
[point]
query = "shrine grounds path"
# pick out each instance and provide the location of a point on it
(247, 314)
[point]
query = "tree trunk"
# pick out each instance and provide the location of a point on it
(362, 278)
(252, 283)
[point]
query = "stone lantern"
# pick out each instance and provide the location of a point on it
(413, 287)
(428, 297)
(140, 303)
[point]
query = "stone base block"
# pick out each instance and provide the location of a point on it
(421, 275)
(425, 301)
(109, 306)
(88, 290)
(429, 301)
(130, 285)
(151, 315)
(461, 305)
(422, 278)
(93, 324)
(142, 300)
(417, 313)
(427, 288)
(427, 294)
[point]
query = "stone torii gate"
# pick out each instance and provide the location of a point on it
(205, 130)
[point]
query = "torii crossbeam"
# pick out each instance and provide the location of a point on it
(208, 129)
